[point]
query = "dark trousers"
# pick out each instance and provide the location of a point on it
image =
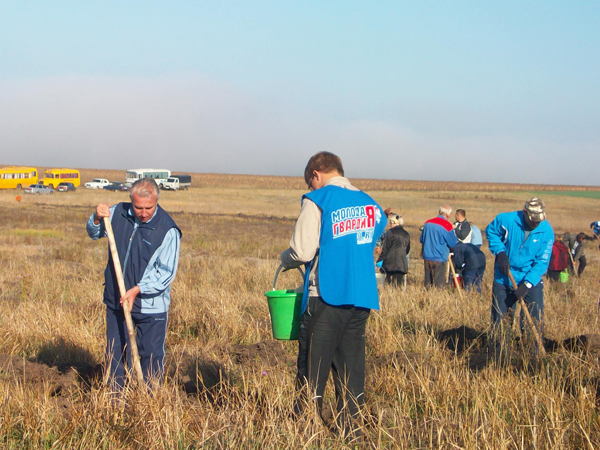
(503, 298)
(472, 279)
(394, 278)
(333, 338)
(582, 264)
(435, 274)
(150, 338)
(553, 275)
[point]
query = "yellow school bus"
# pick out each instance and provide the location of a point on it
(17, 177)
(52, 177)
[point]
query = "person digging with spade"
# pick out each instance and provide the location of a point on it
(522, 244)
(147, 241)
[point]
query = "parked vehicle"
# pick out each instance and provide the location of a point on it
(53, 177)
(117, 186)
(38, 189)
(97, 183)
(159, 175)
(12, 177)
(176, 182)
(65, 187)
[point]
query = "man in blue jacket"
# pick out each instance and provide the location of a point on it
(335, 236)
(148, 246)
(522, 243)
(437, 238)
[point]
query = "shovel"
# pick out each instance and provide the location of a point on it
(573, 264)
(521, 305)
(456, 283)
(135, 356)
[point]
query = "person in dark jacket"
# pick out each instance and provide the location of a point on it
(394, 252)
(471, 262)
(559, 259)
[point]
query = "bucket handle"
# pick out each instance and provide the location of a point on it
(279, 270)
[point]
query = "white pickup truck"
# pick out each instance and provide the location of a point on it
(97, 183)
(176, 182)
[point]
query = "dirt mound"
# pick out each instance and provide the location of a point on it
(38, 376)
(458, 339)
(268, 353)
(587, 343)
(198, 374)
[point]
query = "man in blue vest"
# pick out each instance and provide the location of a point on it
(335, 236)
(148, 246)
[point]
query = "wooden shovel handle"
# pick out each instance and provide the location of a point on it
(456, 283)
(523, 306)
(135, 355)
(573, 263)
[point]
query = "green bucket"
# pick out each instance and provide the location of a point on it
(564, 276)
(284, 307)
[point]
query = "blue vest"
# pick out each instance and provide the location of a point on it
(351, 223)
(141, 243)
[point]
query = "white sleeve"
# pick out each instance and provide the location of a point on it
(304, 243)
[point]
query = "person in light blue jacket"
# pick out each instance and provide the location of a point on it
(522, 243)
(476, 238)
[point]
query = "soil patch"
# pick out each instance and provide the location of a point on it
(36, 375)
(265, 353)
(461, 338)
(586, 343)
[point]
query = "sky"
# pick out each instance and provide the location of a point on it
(422, 90)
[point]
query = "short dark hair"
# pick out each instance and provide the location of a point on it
(461, 212)
(323, 162)
(581, 237)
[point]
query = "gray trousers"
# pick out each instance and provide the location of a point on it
(435, 274)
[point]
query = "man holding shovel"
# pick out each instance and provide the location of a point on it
(147, 243)
(522, 243)
(335, 236)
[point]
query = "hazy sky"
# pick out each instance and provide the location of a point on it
(437, 90)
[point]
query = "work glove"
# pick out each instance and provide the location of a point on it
(522, 290)
(503, 263)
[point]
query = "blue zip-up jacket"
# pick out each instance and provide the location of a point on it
(151, 265)
(437, 238)
(528, 258)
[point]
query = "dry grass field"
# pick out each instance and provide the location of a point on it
(229, 384)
